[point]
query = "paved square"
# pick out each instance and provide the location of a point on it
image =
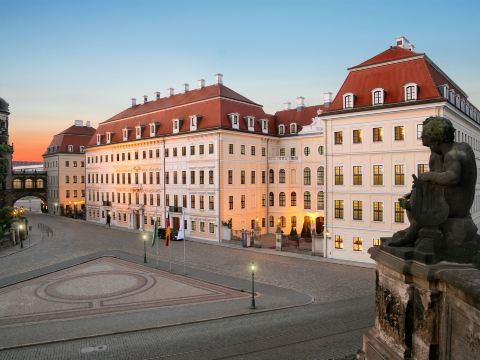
(103, 286)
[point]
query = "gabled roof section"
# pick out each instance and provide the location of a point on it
(189, 97)
(395, 53)
(301, 117)
(74, 135)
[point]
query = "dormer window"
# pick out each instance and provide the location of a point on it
(411, 91)
(377, 96)
(451, 97)
(281, 129)
(125, 134)
(264, 123)
(99, 139)
(457, 101)
(176, 125)
(250, 120)
(234, 117)
(138, 132)
(70, 148)
(462, 105)
(153, 129)
(194, 122)
(348, 101)
(82, 148)
(109, 137)
(293, 128)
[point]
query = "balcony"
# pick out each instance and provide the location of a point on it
(107, 203)
(283, 158)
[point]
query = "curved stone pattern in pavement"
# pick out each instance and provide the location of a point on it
(103, 286)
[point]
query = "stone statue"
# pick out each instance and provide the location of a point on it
(438, 207)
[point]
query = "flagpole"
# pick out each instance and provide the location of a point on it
(184, 240)
(156, 219)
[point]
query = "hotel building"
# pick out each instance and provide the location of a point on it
(219, 156)
(64, 161)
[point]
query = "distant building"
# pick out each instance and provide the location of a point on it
(64, 161)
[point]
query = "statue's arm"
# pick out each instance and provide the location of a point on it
(451, 175)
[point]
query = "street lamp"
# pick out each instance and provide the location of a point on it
(20, 227)
(253, 268)
(55, 208)
(144, 238)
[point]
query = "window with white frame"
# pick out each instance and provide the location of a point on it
(348, 101)
(109, 137)
(193, 122)
(153, 129)
(99, 139)
(250, 120)
(293, 128)
(410, 91)
(234, 120)
(264, 126)
(125, 134)
(70, 148)
(378, 96)
(176, 126)
(82, 148)
(281, 129)
(138, 132)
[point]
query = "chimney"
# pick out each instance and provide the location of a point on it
(403, 43)
(78, 122)
(157, 95)
(219, 78)
(201, 83)
(134, 102)
(170, 92)
(145, 99)
(287, 105)
(327, 98)
(300, 103)
(185, 87)
(88, 124)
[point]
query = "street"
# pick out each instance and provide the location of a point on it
(329, 327)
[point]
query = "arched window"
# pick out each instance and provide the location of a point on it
(281, 176)
(307, 176)
(307, 200)
(282, 199)
(283, 221)
(377, 96)
(17, 184)
(271, 176)
(28, 184)
(271, 199)
(348, 101)
(410, 91)
(293, 198)
(320, 175)
(293, 128)
(40, 184)
(320, 200)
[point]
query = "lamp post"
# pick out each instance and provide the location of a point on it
(144, 238)
(253, 268)
(55, 206)
(20, 227)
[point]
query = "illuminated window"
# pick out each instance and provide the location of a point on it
(376, 242)
(357, 136)
(338, 137)
(421, 168)
(399, 133)
(377, 174)
(357, 210)
(338, 175)
(338, 209)
(399, 174)
(399, 213)
(357, 243)
(377, 211)
(357, 175)
(377, 134)
(338, 242)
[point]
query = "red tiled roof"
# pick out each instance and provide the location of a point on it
(392, 54)
(301, 117)
(191, 96)
(212, 103)
(74, 135)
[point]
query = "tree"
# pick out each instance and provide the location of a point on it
(6, 216)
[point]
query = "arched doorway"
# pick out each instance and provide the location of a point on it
(31, 203)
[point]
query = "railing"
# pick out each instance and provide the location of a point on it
(284, 158)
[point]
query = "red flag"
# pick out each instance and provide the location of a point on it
(167, 232)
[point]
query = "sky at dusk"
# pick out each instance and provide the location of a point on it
(67, 60)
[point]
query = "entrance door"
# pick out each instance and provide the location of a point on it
(319, 221)
(137, 221)
(176, 223)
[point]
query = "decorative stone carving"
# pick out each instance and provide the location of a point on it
(438, 207)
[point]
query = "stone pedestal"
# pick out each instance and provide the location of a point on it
(423, 311)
